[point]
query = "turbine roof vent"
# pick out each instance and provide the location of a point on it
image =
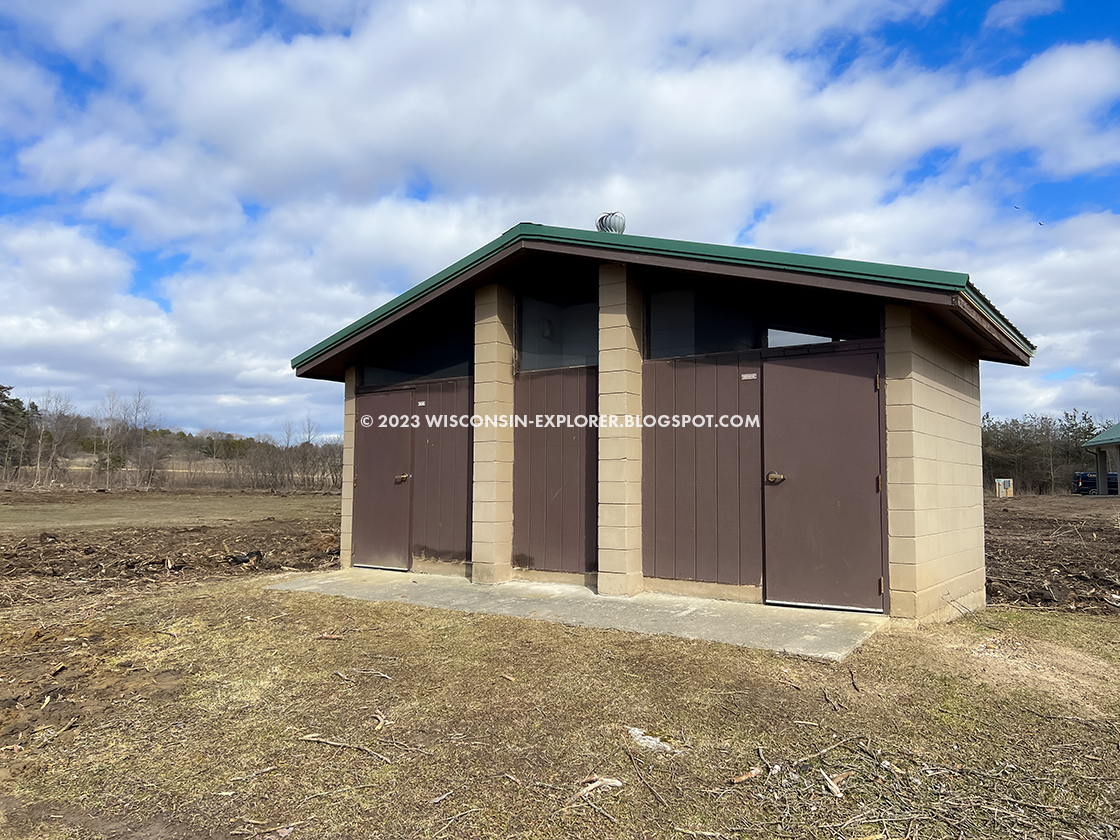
(613, 222)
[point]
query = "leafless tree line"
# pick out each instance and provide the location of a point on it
(121, 444)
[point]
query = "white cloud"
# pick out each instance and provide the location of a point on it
(72, 25)
(54, 267)
(27, 97)
(698, 120)
(1007, 14)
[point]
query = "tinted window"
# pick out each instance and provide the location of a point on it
(437, 357)
(695, 322)
(555, 336)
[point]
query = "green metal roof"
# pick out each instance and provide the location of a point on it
(732, 255)
(1109, 436)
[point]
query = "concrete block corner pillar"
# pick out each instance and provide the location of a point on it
(492, 491)
(349, 418)
(935, 502)
(620, 445)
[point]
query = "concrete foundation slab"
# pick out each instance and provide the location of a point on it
(820, 634)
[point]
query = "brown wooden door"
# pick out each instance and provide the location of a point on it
(823, 522)
(442, 462)
(382, 490)
(701, 502)
(555, 472)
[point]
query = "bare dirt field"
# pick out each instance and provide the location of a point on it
(1055, 551)
(61, 544)
(151, 688)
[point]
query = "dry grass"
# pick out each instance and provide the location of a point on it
(85, 511)
(465, 725)
(162, 705)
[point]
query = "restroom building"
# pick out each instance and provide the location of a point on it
(633, 414)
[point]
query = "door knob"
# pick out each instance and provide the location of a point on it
(775, 477)
(402, 478)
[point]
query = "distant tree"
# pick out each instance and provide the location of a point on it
(14, 430)
(138, 448)
(54, 435)
(1039, 451)
(111, 415)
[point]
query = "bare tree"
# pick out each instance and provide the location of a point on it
(331, 449)
(112, 419)
(56, 422)
(138, 413)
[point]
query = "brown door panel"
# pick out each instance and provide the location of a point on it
(442, 469)
(555, 469)
(382, 480)
(701, 502)
(822, 509)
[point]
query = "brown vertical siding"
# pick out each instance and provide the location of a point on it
(707, 495)
(658, 474)
(554, 473)
(684, 478)
(441, 493)
(736, 512)
(701, 498)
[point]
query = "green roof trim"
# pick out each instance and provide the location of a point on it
(925, 278)
(977, 299)
(1108, 437)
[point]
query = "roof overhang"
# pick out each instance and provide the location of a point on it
(950, 294)
(1109, 437)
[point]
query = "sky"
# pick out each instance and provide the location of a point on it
(194, 192)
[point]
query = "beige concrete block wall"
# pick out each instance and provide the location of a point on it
(349, 417)
(935, 502)
(620, 448)
(492, 505)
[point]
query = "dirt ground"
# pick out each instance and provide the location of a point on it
(1054, 551)
(150, 688)
(63, 544)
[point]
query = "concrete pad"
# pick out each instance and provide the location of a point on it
(821, 634)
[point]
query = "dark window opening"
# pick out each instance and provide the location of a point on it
(694, 322)
(790, 338)
(439, 357)
(696, 318)
(555, 336)
(820, 324)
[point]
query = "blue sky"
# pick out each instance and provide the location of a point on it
(193, 192)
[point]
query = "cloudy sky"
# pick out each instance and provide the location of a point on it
(194, 192)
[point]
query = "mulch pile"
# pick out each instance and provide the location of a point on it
(1066, 557)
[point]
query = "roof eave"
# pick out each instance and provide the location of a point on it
(1004, 340)
(1109, 437)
